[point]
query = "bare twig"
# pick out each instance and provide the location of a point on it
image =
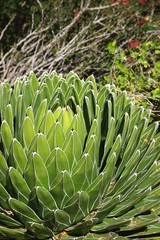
(6, 27)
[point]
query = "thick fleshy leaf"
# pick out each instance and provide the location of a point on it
(30, 114)
(23, 212)
(92, 149)
(109, 224)
(28, 131)
(56, 162)
(3, 169)
(34, 81)
(39, 230)
(43, 148)
(129, 203)
(29, 174)
(6, 136)
(9, 233)
(95, 191)
(70, 148)
(82, 173)
(9, 117)
(78, 124)
(45, 198)
(27, 94)
(4, 196)
(9, 221)
(62, 220)
(132, 144)
(56, 136)
(40, 114)
(19, 185)
(19, 155)
(107, 207)
(77, 206)
(49, 121)
(62, 188)
(5, 94)
(82, 227)
(40, 171)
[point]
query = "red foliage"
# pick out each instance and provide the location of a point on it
(133, 44)
(143, 1)
(123, 1)
(142, 21)
(113, 2)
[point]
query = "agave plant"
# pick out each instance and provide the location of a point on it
(76, 162)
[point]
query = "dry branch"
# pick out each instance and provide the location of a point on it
(83, 51)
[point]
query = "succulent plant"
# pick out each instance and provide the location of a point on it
(77, 161)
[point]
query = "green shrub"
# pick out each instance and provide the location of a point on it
(135, 67)
(76, 161)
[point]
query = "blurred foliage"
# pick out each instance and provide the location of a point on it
(136, 67)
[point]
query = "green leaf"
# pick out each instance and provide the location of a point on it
(110, 224)
(5, 94)
(81, 228)
(82, 173)
(56, 136)
(6, 136)
(19, 155)
(33, 81)
(37, 101)
(9, 117)
(150, 156)
(3, 169)
(78, 124)
(8, 221)
(62, 220)
(43, 148)
(123, 185)
(40, 171)
(4, 196)
(27, 94)
(56, 162)
(19, 184)
(19, 112)
(28, 131)
(91, 148)
(106, 208)
(49, 121)
(127, 205)
(77, 206)
(45, 198)
(39, 230)
(40, 114)
(70, 148)
(20, 233)
(95, 191)
(131, 164)
(30, 114)
(29, 174)
(132, 144)
(157, 65)
(120, 104)
(62, 188)
(24, 212)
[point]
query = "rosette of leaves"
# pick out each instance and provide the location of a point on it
(76, 162)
